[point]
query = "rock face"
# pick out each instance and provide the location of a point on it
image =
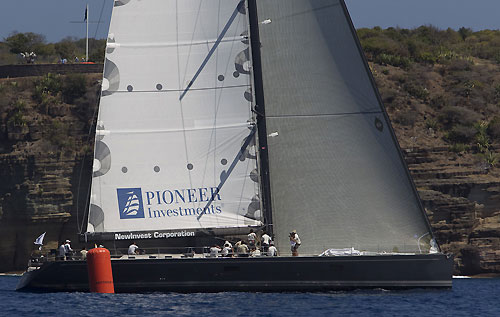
(44, 151)
(45, 156)
(461, 200)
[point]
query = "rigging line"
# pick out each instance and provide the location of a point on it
(100, 17)
(191, 41)
(80, 228)
(230, 170)
(217, 99)
(213, 134)
(212, 50)
(179, 83)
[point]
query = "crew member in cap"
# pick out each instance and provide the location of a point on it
(68, 250)
(294, 243)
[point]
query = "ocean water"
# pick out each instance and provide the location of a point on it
(468, 297)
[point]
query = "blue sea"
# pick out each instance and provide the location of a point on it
(476, 297)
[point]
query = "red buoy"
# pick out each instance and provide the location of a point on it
(100, 274)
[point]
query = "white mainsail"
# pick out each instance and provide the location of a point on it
(175, 115)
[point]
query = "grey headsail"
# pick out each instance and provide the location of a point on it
(336, 173)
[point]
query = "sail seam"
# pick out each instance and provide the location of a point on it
(324, 114)
(307, 11)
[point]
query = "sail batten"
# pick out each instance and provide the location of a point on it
(174, 44)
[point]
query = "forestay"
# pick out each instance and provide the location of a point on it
(174, 116)
(336, 173)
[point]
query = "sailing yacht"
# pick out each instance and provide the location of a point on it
(221, 116)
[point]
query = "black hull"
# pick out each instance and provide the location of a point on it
(265, 274)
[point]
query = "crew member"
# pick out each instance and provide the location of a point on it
(132, 249)
(241, 249)
(68, 250)
(83, 253)
(227, 251)
(214, 251)
(272, 251)
(251, 238)
(294, 243)
(265, 240)
(62, 252)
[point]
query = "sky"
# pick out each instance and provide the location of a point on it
(53, 18)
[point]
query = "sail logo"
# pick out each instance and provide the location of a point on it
(130, 203)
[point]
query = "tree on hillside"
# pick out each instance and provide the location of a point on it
(26, 42)
(465, 32)
(96, 49)
(66, 48)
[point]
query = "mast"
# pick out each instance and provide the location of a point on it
(260, 114)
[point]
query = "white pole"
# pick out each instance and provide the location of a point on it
(87, 43)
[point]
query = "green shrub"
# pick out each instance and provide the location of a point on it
(461, 134)
(428, 57)
(20, 105)
(458, 65)
(417, 91)
(465, 32)
(497, 91)
(48, 84)
(453, 115)
(73, 87)
(394, 60)
(406, 118)
(431, 124)
(482, 138)
(438, 102)
(491, 158)
(458, 148)
(57, 134)
(17, 119)
(17, 115)
(494, 128)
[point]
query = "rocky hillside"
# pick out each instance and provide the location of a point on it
(45, 146)
(441, 90)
